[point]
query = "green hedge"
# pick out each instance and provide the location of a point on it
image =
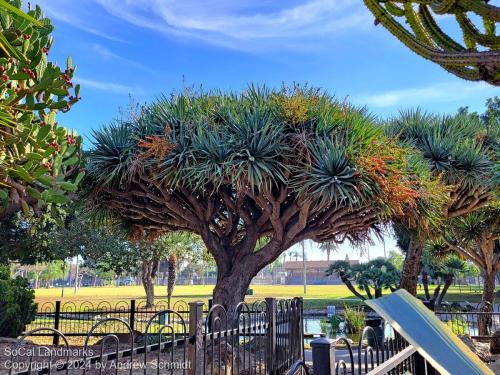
(17, 308)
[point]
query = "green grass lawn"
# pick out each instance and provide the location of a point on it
(317, 296)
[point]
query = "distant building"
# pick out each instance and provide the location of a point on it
(315, 272)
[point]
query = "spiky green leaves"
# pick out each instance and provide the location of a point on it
(112, 154)
(249, 141)
(454, 146)
(329, 177)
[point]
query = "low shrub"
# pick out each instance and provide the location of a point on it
(17, 308)
(355, 318)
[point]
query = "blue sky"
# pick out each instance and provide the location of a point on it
(145, 48)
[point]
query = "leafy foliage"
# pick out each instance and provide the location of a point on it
(30, 239)
(17, 307)
(39, 158)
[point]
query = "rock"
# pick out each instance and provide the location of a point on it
(495, 343)
(479, 348)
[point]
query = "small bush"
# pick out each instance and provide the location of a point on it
(335, 321)
(17, 308)
(355, 318)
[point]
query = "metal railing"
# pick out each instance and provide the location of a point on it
(476, 324)
(264, 337)
(380, 350)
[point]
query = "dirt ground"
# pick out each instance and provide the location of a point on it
(41, 356)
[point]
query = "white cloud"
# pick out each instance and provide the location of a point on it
(73, 14)
(247, 25)
(107, 54)
(434, 93)
(115, 88)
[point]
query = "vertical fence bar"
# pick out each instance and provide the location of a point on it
(271, 334)
(301, 327)
(57, 316)
(195, 347)
(132, 314)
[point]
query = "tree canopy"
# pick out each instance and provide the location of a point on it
(460, 151)
(263, 166)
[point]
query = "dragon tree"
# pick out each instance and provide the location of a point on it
(252, 174)
(476, 237)
(460, 151)
(414, 22)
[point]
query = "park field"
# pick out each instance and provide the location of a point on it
(317, 296)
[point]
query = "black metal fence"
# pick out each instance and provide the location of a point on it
(476, 324)
(380, 350)
(264, 337)
(75, 320)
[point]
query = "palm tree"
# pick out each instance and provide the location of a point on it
(459, 152)
(328, 248)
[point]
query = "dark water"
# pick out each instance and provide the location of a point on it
(321, 324)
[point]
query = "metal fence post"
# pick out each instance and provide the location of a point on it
(301, 327)
(132, 314)
(271, 334)
(323, 355)
(57, 315)
(210, 305)
(195, 347)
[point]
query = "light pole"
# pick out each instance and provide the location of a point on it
(304, 266)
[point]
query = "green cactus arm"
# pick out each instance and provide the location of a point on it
(439, 37)
(442, 6)
(489, 26)
(491, 41)
(394, 9)
(426, 38)
(416, 25)
(481, 8)
(438, 56)
(469, 74)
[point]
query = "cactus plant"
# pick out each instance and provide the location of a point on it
(476, 58)
(39, 159)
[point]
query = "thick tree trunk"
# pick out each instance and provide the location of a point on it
(488, 299)
(230, 290)
(148, 274)
(411, 267)
(233, 280)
